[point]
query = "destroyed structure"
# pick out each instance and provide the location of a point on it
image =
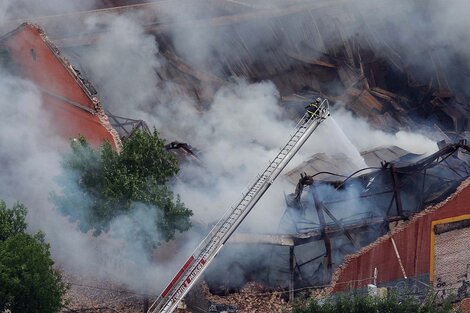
(401, 228)
(332, 215)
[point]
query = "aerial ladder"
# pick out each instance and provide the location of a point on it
(233, 217)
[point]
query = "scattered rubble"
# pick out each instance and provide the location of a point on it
(90, 294)
(252, 298)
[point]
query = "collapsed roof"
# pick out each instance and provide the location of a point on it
(338, 214)
(332, 48)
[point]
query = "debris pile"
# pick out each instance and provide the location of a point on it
(252, 298)
(88, 294)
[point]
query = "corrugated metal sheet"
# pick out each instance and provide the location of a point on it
(374, 157)
(321, 162)
(413, 242)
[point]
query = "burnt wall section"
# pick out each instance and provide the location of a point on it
(413, 243)
(69, 97)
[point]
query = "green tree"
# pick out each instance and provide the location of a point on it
(28, 282)
(99, 185)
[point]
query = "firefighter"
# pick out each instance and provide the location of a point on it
(313, 107)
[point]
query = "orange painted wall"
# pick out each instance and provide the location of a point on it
(413, 244)
(71, 122)
(47, 71)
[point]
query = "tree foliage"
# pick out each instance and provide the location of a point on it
(28, 283)
(358, 303)
(99, 185)
(12, 221)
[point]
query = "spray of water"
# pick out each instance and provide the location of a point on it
(349, 148)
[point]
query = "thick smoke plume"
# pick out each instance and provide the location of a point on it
(237, 132)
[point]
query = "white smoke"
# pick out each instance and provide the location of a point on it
(29, 173)
(29, 168)
(131, 61)
(237, 133)
(364, 137)
(23, 119)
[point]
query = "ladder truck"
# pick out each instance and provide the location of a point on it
(233, 217)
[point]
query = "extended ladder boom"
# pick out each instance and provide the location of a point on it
(233, 217)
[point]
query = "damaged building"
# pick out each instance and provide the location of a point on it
(333, 215)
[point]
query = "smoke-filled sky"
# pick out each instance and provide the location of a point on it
(240, 130)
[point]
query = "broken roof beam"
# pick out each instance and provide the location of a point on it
(334, 230)
(396, 190)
